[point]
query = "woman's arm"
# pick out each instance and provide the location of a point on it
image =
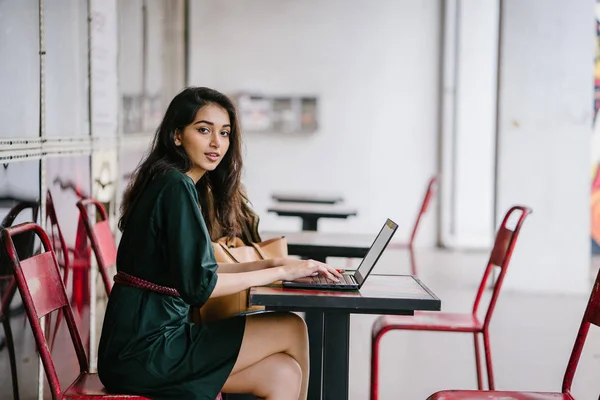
(230, 283)
(232, 268)
(282, 269)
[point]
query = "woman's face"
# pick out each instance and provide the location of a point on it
(206, 139)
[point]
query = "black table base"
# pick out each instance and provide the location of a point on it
(315, 325)
(336, 357)
(314, 322)
(309, 223)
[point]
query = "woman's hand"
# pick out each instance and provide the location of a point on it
(295, 269)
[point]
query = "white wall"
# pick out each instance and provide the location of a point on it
(104, 68)
(131, 55)
(66, 68)
(374, 66)
(19, 69)
(545, 128)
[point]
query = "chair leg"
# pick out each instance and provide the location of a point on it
(488, 360)
(478, 361)
(375, 368)
(11, 354)
(413, 264)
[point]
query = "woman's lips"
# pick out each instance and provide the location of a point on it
(212, 156)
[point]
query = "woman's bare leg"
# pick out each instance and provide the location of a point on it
(277, 377)
(272, 333)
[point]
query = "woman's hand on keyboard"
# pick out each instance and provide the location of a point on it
(295, 269)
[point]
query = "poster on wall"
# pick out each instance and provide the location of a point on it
(595, 147)
(280, 114)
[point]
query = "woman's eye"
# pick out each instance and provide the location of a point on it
(203, 130)
(224, 133)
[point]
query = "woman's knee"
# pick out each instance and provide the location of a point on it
(277, 376)
(288, 373)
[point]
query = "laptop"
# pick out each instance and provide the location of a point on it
(355, 280)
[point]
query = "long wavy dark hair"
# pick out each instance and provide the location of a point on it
(222, 198)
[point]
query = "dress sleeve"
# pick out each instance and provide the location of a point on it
(190, 256)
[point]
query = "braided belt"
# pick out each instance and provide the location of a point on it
(129, 280)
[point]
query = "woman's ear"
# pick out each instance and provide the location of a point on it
(177, 137)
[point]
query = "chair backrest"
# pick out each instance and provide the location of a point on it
(429, 193)
(56, 237)
(42, 290)
(505, 242)
(591, 316)
(70, 185)
(101, 238)
(61, 252)
(24, 243)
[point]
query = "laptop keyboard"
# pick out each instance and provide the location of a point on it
(344, 280)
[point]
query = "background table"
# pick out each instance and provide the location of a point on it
(311, 213)
(319, 245)
(296, 197)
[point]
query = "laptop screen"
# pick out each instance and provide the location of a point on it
(380, 243)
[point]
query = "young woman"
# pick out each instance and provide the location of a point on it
(147, 346)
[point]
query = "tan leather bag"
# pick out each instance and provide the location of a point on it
(236, 251)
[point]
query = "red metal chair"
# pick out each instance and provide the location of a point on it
(62, 256)
(101, 239)
(80, 260)
(24, 247)
(429, 193)
(505, 242)
(56, 238)
(39, 282)
(66, 257)
(591, 316)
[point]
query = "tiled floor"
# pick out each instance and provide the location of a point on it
(531, 335)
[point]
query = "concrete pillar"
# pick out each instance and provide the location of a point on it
(543, 139)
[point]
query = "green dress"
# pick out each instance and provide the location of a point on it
(147, 346)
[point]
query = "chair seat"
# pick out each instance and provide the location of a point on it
(487, 395)
(88, 386)
(428, 321)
